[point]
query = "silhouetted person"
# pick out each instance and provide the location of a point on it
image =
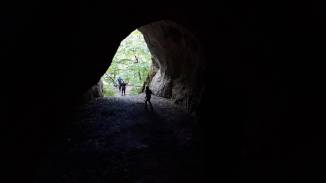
(120, 80)
(123, 88)
(148, 96)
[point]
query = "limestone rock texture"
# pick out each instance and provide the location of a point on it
(178, 63)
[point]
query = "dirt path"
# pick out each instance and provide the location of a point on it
(117, 140)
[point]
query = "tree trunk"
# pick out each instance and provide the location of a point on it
(139, 75)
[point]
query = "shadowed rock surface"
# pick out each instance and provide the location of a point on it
(116, 139)
(178, 63)
(94, 92)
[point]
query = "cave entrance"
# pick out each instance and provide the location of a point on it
(130, 65)
(117, 138)
(163, 55)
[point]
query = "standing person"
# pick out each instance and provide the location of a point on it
(123, 88)
(148, 96)
(120, 80)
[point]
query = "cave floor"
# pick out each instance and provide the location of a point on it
(116, 140)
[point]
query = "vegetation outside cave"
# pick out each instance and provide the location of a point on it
(131, 62)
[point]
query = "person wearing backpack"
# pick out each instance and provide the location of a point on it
(148, 96)
(123, 88)
(120, 80)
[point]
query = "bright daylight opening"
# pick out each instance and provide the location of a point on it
(129, 68)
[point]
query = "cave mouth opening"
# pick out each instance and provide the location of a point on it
(130, 65)
(110, 136)
(163, 55)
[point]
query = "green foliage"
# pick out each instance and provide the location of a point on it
(108, 89)
(135, 90)
(131, 62)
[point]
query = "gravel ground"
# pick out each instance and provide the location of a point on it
(116, 140)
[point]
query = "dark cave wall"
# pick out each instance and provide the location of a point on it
(95, 91)
(178, 63)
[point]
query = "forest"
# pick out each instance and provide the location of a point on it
(131, 62)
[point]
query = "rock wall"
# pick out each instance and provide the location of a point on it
(177, 63)
(152, 72)
(94, 92)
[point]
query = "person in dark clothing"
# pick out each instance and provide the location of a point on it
(120, 80)
(123, 88)
(148, 96)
